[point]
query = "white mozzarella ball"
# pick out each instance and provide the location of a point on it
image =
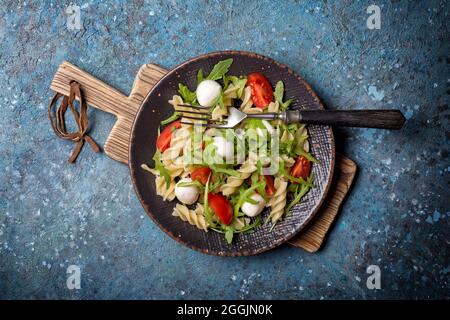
(187, 195)
(207, 92)
(252, 210)
(224, 148)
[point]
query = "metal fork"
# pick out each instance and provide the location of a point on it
(382, 119)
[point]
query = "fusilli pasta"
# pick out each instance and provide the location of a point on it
(194, 217)
(177, 143)
(163, 191)
(233, 182)
(278, 201)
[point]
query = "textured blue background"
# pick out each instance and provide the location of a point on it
(53, 214)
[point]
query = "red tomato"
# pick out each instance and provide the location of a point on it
(301, 168)
(221, 207)
(201, 174)
(163, 141)
(270, 187)
(262, 93)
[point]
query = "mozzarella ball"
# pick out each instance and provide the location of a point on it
(252, 210)
(186, 195)
(207, 92)
(224, 148)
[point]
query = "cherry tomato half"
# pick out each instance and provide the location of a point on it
(262, 92)
(163, 141)
(301, 168)
(201, 174)
(270, 187)
(221, 207)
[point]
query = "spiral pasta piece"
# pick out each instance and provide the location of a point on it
(288, 161)
(278, 201)
(176, 101)
(177, 143)
(174, 167)
(194, 217)
(302, 134)
(163, 191)
(231, 92)
(233, 182)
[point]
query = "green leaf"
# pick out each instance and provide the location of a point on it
(208, 214)
(160, 167)
(172, 118)
(279, 92)
(220, 69)
(226, 81)
(230, 172)
(239, 83)
(199, 76)
(254, 123)
(307, 155)
(251, 226)
(187, 95)
(229, 233)
(299, 195)
(286, 104)
(244, 195)
(194, 183)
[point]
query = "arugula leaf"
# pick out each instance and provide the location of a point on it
(208, 215)
(230, 172)
(244, 195)
(282, 172)
(194, 183)
(255, 224)
(239, 83)
(307, 155)
(226, 81)
(254, 123)
(286, 104)
(278, 94)
(187, 95)
(160, 167)
(220, 69)
(172, 118)
(229, 232)
(299, 194)
(199, 76)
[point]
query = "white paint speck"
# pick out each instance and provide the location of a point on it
(375, 94)
(386, 162)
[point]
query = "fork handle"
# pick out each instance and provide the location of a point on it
(382, 119)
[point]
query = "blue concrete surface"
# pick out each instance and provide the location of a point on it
(53, 214)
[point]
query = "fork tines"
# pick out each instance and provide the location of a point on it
(196, 115)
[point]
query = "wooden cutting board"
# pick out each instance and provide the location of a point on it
(104, 97)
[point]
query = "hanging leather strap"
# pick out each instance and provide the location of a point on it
(57, 120)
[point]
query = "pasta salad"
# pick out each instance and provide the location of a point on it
(223, 179)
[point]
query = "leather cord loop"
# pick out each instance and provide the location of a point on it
(58, 121)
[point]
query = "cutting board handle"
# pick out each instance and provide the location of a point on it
(106, 98)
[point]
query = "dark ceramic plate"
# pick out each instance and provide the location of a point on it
(142, 147)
